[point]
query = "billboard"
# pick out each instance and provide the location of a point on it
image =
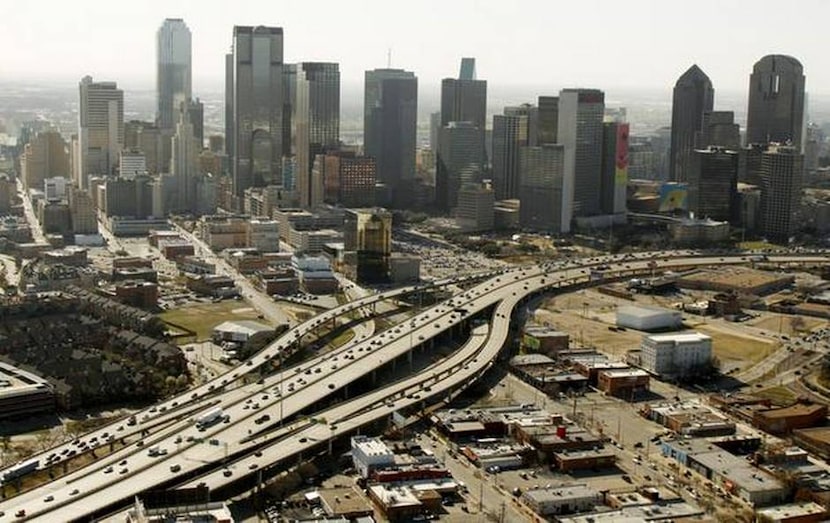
(673, 197)
(621, 157)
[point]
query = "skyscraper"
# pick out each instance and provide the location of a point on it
(782, 169)
(713, 184)
(314, 91)
(256, 81)
(390, 114)
(464, 99)
(541, 189)
(185, 163)
(511, 131)
(459, 161)
(348, 179)
(100, 129)
(548, 120)
(776, 101)
(693, 97)
(173, 73)
(719, 129)
(45, 156)
(368, 232)
(614, 167)
(580, 132)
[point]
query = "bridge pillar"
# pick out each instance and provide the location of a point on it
(374, 377)
(409, 359)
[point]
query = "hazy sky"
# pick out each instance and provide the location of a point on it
(591, 43)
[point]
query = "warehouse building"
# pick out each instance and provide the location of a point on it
(648, 319)
(239, 331)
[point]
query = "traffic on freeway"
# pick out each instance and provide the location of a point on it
(233, 431)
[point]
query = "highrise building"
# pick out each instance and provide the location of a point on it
(510, 134)
(82, 211)
(713, 184)
(349, 180)
(128, 198)
(45, 156)
(315, 118)
(255, 82)
(693, 97)
(541, 190)
(476, 207)
(100, 129)
(459, 161)
(368, 233)
(464, 99)
(548, 120)
(782, 169)
(720, 130)
(131, 163)
(145, 137)
(185, 163)
(614, 167)
(196, 116)
(776, 101)
(580, 132)
(390, 114)
(173, 71)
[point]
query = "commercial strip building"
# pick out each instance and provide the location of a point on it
(566, 499)
(730, 472)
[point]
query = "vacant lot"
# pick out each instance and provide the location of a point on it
(788, 325)
(741, 350)
(202, 318)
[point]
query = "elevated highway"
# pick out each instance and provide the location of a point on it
(243, 447)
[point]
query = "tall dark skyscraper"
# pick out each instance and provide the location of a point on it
(315, 118)
(459, 162)
(548, 120)
(693, 97)
(173, 73)
(464, 99)
(776, 101)
(390, 113)
(580, 132)
(257, 83)
(719, 129)
(541, 189)
(713, 184)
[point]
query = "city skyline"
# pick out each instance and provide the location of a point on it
(651, 42)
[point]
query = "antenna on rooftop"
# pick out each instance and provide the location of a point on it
(389, 58)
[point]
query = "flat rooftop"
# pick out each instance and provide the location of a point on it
(681, 337)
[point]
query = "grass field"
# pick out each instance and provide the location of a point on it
(202, 318)
(737, 348)
(779, 395)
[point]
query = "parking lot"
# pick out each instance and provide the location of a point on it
(440, 260)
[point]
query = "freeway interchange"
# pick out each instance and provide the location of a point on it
(267, 424)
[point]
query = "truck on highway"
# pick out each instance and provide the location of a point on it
(209, 418)
(21, 469)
